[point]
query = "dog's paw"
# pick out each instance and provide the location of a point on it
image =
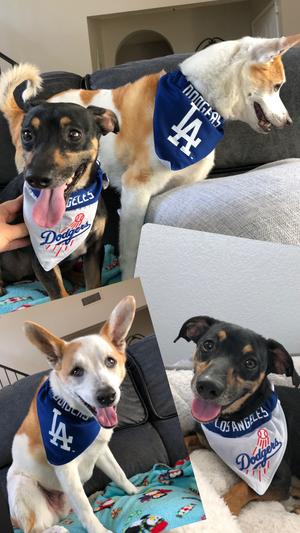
(132, 489)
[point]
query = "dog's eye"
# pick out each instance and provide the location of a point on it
(74, 135)
(250, 363)
(77, 371)
(110, 362)
(27, 136)
(277, 87)
(208, 345)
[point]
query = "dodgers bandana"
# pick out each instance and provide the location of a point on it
(66, 432)
(186, 127)
(52, 245)
(254, 446)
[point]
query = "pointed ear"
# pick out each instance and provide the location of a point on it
(119, 323)
(268, 49)
(195, 327)
(45, 341)
(105, 119)
(280, 361)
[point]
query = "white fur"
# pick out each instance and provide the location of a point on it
(28, 472)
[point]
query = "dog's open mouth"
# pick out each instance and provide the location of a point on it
(204, 410)
(106, 416)
(50, 206)
(263, 122)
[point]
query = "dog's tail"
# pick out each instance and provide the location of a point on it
(12, 111)
(10, 80)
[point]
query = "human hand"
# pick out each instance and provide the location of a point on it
(12, 236)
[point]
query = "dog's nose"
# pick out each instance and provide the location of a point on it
(289, 121)
(106, 396)
(38, 182)
(208, 389)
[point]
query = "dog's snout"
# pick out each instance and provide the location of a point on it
(209, 389)
(39, 182)
(106, 397)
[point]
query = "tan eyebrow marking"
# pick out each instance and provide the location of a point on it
(247, 349)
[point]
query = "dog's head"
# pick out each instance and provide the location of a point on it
(243, 78)
(261, 78)
(60, 144)
(88, 371)
(230, 364)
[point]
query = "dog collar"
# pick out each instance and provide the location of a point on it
(253, 447)
(66, 432)
(53, 245)
(186, 128)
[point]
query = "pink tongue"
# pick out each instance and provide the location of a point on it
(204, 410)
(49, 207)
(107, 417)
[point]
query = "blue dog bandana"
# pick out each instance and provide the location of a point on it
(52, 245)
(254, 446)
(66, 432)
(186, 127)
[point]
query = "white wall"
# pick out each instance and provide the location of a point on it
(54, 33)
(186, 273)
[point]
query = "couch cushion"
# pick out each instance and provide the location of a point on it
(263, 204)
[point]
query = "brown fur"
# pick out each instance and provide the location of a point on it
(266, 75)
(36, 122)
(64, 121)
(247, 349)
(201, 366)
(87, 95)
(136, 125)
(240, 494)
(222, 335)
(31, 427)
(252, 386)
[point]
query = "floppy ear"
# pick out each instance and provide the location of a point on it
(280, 361)
(195, 327)
(119, 323)
(268, 49)
(106, 119)
(45, 341)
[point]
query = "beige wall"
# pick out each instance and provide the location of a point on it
(290, 16)
(183, 28)
(54, 33)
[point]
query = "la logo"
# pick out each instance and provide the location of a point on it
(58, 432)
(187, 131)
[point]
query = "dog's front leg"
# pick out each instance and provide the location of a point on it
(134, 207)
(69, 479)
(51, 280)
(109, 465)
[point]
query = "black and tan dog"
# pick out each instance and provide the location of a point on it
(60, 144)
(231, 389)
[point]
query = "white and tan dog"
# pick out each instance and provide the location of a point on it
(85, 385)
(239, 79)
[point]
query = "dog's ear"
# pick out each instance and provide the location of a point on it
(49, 344)
(195, 327)
(119, 323)
(106, 119)
(268, 49)
(280, 361)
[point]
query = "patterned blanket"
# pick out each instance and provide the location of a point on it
(27, 294)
